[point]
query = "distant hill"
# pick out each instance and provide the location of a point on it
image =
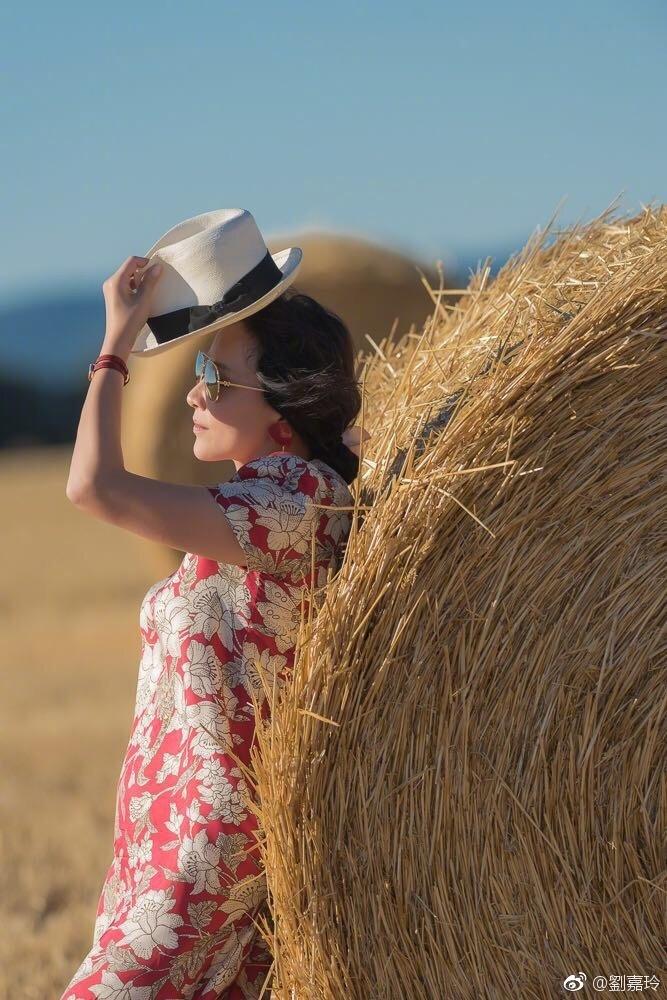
(36, 414)
(61, 331)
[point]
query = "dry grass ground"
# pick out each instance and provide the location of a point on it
(69, 646)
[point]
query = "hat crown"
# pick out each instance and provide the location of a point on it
(208, 253)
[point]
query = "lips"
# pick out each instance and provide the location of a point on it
(196, 424)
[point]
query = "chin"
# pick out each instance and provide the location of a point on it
(205, 454)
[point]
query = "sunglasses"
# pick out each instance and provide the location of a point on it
(208, 370)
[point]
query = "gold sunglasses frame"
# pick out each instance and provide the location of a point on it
(219, 381)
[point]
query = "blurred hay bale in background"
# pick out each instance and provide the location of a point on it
(376, 291)
(463, 789)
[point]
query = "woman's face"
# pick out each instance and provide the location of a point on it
(235, 425)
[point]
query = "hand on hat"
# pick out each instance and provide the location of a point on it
(127, 296)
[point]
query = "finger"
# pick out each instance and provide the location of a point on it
(151, 275)
(143, 269)
(131, 265)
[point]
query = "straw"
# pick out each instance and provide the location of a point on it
(463, 784)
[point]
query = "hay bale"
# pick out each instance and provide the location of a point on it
(375, 290)
(463, 787)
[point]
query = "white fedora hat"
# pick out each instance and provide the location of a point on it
(216, 269)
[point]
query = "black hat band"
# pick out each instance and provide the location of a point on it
(252, 286)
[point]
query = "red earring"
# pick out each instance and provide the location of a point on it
(280, 433)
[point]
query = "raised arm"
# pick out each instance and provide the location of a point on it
(184, 517)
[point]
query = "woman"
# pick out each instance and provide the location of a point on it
(176, 915)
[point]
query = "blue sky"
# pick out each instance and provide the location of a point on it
(435, 128)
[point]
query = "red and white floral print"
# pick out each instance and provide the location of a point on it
(175, 918)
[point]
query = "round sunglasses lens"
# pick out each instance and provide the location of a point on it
(199, 364)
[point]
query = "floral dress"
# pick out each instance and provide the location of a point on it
(177, 910)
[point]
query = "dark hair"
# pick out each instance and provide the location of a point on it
(306, 364)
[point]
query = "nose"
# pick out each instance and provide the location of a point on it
(197, 395)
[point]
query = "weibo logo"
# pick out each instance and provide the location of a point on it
(575, 982)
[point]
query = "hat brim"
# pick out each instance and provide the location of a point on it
(287, 260)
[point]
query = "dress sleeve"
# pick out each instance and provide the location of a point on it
(274, 522)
